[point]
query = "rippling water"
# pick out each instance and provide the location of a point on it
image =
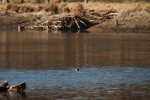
(112, 66)
(94, 82)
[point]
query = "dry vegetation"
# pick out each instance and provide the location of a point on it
(130, 13)
(78, 8)
(75, 7)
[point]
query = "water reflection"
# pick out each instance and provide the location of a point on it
(37, 50)
(121, 93)
(12, 96)
(112, 66)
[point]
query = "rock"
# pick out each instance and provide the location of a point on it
(4, 86)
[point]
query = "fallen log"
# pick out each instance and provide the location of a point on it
(82, 22)
(76, 23)
(96, 17)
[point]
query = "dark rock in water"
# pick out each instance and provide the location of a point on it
(4, 86)
(3, 89)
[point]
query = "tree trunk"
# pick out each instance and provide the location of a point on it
(5, 1)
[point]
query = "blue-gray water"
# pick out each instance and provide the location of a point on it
(112, 66)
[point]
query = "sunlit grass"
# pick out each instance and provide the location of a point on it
(74, 7)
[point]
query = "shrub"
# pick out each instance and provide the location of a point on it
(20, 7)
(39, 8)
(9, 6)
(13, 7)
(53, 7)
(147, 8)
(78, 9)
(66, 9)
(137, 8)
(63, 8)
(26, 8)
(124, 13)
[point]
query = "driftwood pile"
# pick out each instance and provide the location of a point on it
(18, 87)
(100, 16)
(65, 23)
(70, 22)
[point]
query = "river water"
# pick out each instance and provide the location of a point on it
(112, 66)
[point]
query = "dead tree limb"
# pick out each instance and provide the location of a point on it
(77, 23)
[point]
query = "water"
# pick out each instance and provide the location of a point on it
(112, 66)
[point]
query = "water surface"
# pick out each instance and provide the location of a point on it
(112, 66)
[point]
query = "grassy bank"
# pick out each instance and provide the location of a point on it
(102, 1)
(129, 15)
(74, 7)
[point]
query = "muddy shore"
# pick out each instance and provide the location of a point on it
(108, 19)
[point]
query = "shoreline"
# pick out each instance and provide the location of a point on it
(135, 19)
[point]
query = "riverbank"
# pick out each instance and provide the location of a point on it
(110, 16)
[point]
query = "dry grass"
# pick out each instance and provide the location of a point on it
(52, 7)
(63, 8)
(13, 7)
(117, 6)
(76, 7)
(27, 8)
(2, 6)
(137, 7)
(39, 8)
(147, 8)
(20, 7)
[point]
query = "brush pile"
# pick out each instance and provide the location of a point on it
(65, 23)
(71, 22)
